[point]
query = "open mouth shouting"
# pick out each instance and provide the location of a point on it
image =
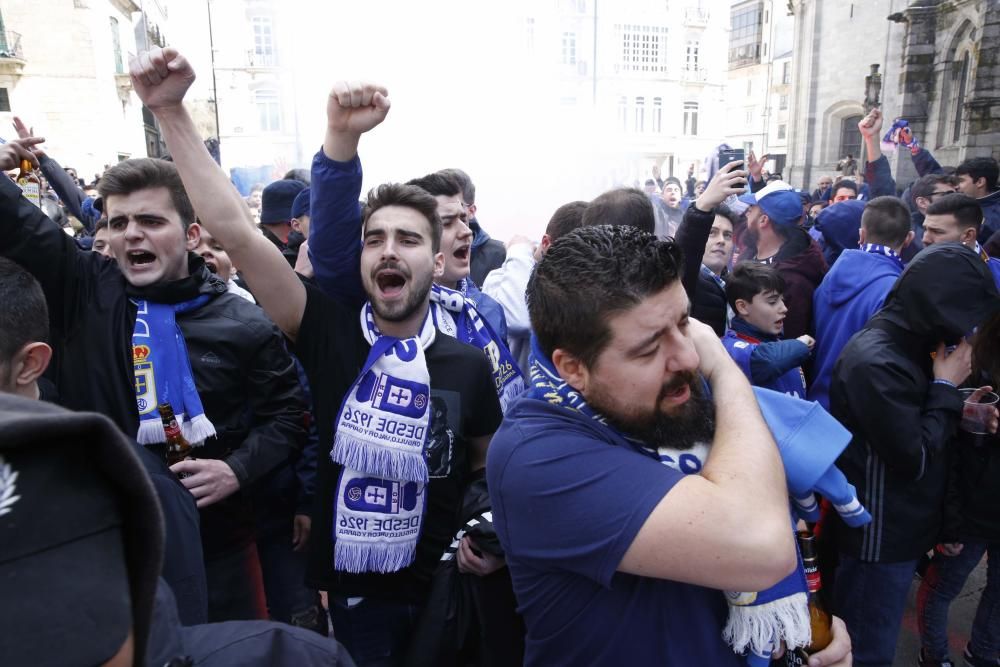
(463, 252)
(212, 266)
(137, 259)
(390, 282)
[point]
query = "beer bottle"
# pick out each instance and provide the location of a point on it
(30, 184)
(820, 620)
(178, 447)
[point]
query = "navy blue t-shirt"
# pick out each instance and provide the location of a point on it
(569, 497)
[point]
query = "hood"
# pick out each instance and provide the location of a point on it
(802, 255)
(855, 271)
(479, 235)
(944, 293)
(840, 224)
(199, 281)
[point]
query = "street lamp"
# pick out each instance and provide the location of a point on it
(873, 89)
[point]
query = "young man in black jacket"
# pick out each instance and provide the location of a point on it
(230, 359)
(894, 388)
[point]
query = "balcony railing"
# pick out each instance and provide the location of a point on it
(10, 45)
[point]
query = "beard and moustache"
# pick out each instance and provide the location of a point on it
(691, 423)
(420, 287)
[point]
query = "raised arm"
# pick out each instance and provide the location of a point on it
(352, 109)
(877, 173)
(733, 515)
(161, 77)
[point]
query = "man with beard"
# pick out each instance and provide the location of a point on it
(612, 553)
(388, 494)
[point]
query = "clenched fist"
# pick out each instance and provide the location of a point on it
(356, 106)
(161, 77)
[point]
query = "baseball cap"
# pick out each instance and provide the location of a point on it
(778, 201)
(81, 537)
(276, 201)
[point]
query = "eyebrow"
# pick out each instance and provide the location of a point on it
(636, 349)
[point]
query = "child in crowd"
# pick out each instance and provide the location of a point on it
(755, 293)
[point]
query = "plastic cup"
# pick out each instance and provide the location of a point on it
(976, 415)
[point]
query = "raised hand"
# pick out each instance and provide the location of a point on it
(729, 180)
(12, 152)
(23, 132)
(871, 125)
(755, 166)
(356, 107)
(161, 77)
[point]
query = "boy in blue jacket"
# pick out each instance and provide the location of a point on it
(755, 293)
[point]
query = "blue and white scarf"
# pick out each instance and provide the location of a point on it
(163, 373)
(456, 316)
(379, 441)
(877, 249)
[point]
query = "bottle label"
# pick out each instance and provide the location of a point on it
(31, 192)
(796, 658)
(812, 579)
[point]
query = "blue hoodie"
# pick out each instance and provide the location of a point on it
(839, 224)
(849, 295)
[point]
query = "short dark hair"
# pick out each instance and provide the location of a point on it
(621, 207)
(886, 221)
(24, 317)
(623, 265)
(147, 173)
(844, 183)
(102, 223)
(980, 167)
(649, 181)
(964, 208)
(748, 279)
(298, 174)
(566, 218)
(729, 214)
(437, 184)
(408, 196)
(924, 186)
(465, 183)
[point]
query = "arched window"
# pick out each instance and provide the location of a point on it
(268, 110)
(850, 136)
(962, 72)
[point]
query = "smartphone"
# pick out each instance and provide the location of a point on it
(732, 155)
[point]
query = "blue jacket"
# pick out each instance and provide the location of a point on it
(991, 215)
(839, 224)
(879, 179)
(849, 295)
(766, 360)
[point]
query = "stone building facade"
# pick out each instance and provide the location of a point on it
(940, 65)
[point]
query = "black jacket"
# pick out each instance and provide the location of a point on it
(883, 392)
(708, 297)
(487, 253)
(243, 373)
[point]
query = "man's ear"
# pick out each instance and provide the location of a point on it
(980, 183)
(192, 236)
(30, 362)
(861, 236)
(471, 210)
(742, 307)
(968, 236)
(294, 222)
(571, 369)
(438, 265)
(908, 241)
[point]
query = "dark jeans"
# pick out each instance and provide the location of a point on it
(870, 598)
(942, 583)
(235, 586)
(374, 631)
(288, 599)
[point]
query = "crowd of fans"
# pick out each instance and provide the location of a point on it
(316, 426)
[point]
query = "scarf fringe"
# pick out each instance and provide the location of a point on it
(762, 626)
(151, 432)
(197, 430)
(358, 557)
(382, 462)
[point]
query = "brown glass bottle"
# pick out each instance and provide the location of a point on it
(178, 448)
(820, 620)
(30, 184)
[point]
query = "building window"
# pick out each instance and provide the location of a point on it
(690, 118)
(263, 41)
(748, 117)
(657, 115)
(786, 72)
(783, 102)
(623, 113)
(747, 147)
(781, 131)
(639, 124)
(5, 100)
(691, 62)
(569, 48)
(963, 81)
(116, 45)
(643, 48)
(529, 34)
(268, 110)
(745, 35)
(850, 136)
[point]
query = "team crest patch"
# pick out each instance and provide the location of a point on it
(8, 487)
(145, 384)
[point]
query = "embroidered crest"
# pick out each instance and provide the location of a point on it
(8, 487)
